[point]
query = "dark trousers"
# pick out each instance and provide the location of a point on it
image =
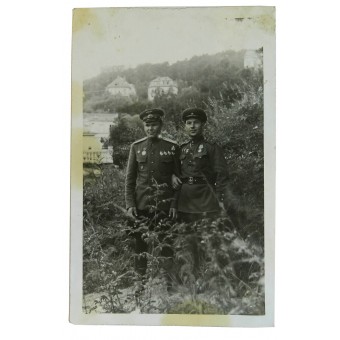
(142, 247)
(192, 239)
(190, 217)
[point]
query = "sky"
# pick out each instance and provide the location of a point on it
(129, 37)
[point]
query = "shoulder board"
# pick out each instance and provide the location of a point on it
(169, 140)
(140, 140)
(185, 143)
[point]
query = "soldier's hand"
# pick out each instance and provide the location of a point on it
(173, 213)
(132, 212)
(176, 182)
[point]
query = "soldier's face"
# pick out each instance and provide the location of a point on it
(193, 127)
(152, 129)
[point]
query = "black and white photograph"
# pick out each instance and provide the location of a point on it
(170, 170)
(173, 166)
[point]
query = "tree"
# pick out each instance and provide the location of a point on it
(127, 130)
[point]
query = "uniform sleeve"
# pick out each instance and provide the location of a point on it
(177, 170)
(220, 169)
(130, 180)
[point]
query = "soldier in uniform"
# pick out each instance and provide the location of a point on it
(203, 176)
(152, 161)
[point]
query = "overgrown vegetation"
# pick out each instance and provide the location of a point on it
(226, 279)
(218, 264)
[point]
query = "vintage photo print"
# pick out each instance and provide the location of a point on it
(173, 166)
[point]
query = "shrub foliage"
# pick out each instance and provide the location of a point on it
(215, 269)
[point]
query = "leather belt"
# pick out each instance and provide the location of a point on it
(194, 180)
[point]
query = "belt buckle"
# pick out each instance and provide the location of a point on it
(191, 180)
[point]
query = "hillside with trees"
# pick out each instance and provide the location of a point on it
(198, 79)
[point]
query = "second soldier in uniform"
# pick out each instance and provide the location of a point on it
(203, 178)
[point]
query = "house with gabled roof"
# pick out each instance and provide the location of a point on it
(121, 87)
(162, 85)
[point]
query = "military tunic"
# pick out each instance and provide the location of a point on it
(204, 177)
(151, 161)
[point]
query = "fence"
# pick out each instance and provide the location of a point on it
(102, 156)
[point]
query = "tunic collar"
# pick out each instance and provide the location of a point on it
(152, 141)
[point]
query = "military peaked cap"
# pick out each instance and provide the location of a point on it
(194, 113)
(151, 115)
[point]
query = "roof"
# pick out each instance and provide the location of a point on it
(119, 82)
(162, 81)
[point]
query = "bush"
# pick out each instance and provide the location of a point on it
(239, 130)
(215, 270)
(127, 130)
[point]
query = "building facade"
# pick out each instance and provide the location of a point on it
(252, 60)
(161, 85)
(96, 129)
(121, 87)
